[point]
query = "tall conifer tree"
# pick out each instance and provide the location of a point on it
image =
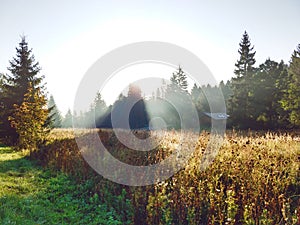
(241, 107)
(54, 114)
(24, 74)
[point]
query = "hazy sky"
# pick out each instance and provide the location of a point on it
(67, 37)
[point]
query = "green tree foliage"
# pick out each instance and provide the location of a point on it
(199, 99)
(240, 103)
(178, 81)
(269, 84)
(100, 106)
(29, 119)
(200, 96)
(195, 95)
(67, 121)
(98, 111)
(54, 115)
(291, 100)
(226, 90)
(177, 93)
(95, 114)
(24, 75)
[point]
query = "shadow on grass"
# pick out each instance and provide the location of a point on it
(30, 194)
(11, 160)
(2, 145)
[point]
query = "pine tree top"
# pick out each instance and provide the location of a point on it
(179, 79)
(23, 72)
(23, 67)
(245, 64)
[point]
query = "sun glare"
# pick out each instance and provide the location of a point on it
(75, 57)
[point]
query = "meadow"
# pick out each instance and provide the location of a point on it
(30, 194)
(254, 179)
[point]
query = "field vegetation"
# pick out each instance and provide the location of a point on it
(30, 194)
(255, 179)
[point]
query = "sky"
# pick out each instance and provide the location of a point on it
(68, 36)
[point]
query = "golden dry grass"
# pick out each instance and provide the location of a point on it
(254, 178)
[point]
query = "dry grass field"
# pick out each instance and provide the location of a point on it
(254, 179)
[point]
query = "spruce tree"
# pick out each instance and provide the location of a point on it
(245, 64)
(24, 74)
(240, 103)
(178, 81)
(54, 114)
(99, 106)
(177, 93)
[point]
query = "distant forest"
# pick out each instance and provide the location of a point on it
(257, 97)
(264, 97)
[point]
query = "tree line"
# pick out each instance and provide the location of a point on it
(266, 96)
(257, 97)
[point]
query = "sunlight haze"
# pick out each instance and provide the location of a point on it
(67, 37)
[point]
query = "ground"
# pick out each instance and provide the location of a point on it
(30, 194)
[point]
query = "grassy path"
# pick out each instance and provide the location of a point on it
(31, 195)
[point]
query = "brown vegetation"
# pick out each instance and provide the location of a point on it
(255, 179)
